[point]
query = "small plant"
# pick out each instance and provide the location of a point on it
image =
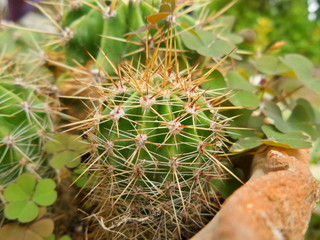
(23, 198)
(38, 230)
(66, 149)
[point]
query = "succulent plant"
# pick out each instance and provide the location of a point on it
(26, 115)
(159, 142)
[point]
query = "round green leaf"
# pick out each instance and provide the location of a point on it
(57, 144)
(67, 158)
(24, 211)
(21, 190)
(45, 194)
(236, 81)
(65, 237)
(270, 65)
(244, 99)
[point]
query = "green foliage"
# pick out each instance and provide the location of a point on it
(23, 197)
(67, 150)
(64, 237)
(276, 21)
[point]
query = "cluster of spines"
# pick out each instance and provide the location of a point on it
(25, 115)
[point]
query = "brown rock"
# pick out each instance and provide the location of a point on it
(275, 204)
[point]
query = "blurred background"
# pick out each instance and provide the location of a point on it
(295, 22)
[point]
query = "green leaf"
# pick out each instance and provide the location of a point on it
(65, 237)
(57, 144)
(21, 190)
(191, 40)
(272, 111)
(236, 81)
(300, 65)
(217, 48)
(270, 65)
(303, 118)
(206, 44)
(245, 144)
(45, 194)
(51, 237)
(69, 159)
(214, 81)
(65, 141)
(244, 99)
(292, 139)
(67, 150)
(24, 211)
(303, 68)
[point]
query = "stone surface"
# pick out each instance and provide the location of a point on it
(275, 204)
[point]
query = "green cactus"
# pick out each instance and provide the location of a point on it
(158, 137)
(25, 110)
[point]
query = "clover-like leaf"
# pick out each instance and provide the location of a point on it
(70, 159)
(273, 111)
(67, 150)
(23, 196)
(43, 227)
(243, 91)
(24, 211)
(36, 231)
(45, 194)
(21, 190)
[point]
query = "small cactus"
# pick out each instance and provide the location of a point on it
(159, 143)
(159, 139)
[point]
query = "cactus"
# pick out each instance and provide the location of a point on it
(25, 110)
(159, 141)
(158, 136)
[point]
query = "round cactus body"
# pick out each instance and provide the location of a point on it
(158, 140)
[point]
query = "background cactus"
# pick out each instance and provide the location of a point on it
(26, 108)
